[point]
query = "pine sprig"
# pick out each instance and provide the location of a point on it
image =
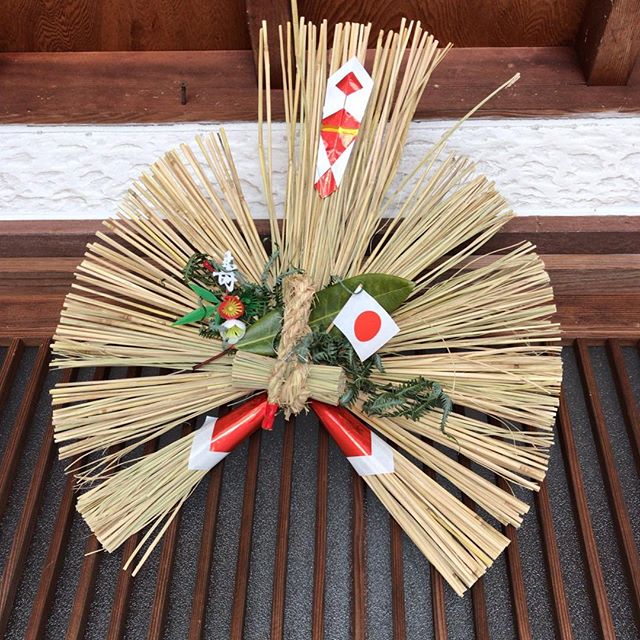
(411, 399)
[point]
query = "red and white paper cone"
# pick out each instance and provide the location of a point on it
(368, 454)
(218, 437)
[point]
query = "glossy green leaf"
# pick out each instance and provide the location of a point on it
(389, 291)
(205, 294)
(195, 316)
(260, 337)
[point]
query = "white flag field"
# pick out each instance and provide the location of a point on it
(365, 323)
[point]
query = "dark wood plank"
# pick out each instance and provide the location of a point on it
(397, 583)
(516, 579)
(610, 476)
(478, 598)
(244, 547)
(55, 555)
(359, 579)
(612, 315)
(275, 12)
(120, 606)
(205, 554)
(160, 607)
(28, 240)
(608, 40)
(578, 493)
(437, 605)
(466, 24)
(552, 558)
(79, 87)
(84, 25)
(14, 564)
(84, 591)
(15, 443)
(148, 86)
(438, 609)
(9, 367)
(479, 604)
(320, 546)
(282, 542)
(592, 262)
(628, 404)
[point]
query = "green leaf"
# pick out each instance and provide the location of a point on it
(260, 337)
(195, 316)
(205, 294)
(389, 291)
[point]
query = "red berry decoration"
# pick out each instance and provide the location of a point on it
(207, 265)
(231, 308)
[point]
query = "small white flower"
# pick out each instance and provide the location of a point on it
(232, 331)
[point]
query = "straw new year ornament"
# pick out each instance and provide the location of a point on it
(366, 304)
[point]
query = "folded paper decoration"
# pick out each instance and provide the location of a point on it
(348, 91)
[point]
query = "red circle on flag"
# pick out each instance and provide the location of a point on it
(367, 325)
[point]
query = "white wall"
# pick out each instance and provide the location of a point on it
(570, 166)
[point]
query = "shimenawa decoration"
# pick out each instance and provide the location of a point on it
(367, 303)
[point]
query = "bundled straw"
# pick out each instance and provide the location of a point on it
(110, 413)
(451, 536)
(148, 493)
(479, 326)
(458, 542)
(252, 371)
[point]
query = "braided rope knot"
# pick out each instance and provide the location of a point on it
(288, 383)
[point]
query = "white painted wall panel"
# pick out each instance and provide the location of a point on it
(573, 166)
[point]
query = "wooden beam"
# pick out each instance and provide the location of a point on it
(608, 40)
(275, 12)
(144, 86)
(589, 235)
(596, 290)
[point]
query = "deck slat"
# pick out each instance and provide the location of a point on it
(11, 456)
(14, 566)
(587, 537)
(244, 549)
(9, 366)
(516, 579)
(358, 605)
(320, 546)
(282, 543)
(612, 484)
(628, 402)
(552, 558)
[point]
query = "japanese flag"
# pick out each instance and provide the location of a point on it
(365, 323)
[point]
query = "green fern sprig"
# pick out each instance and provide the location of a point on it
(410, 399)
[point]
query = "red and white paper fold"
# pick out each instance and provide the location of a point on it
(348, 92)
(218, 437)
(365, 324)
(368, 454)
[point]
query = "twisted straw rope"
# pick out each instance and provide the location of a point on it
(288, 383)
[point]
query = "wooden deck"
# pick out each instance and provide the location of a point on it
(283, 540)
